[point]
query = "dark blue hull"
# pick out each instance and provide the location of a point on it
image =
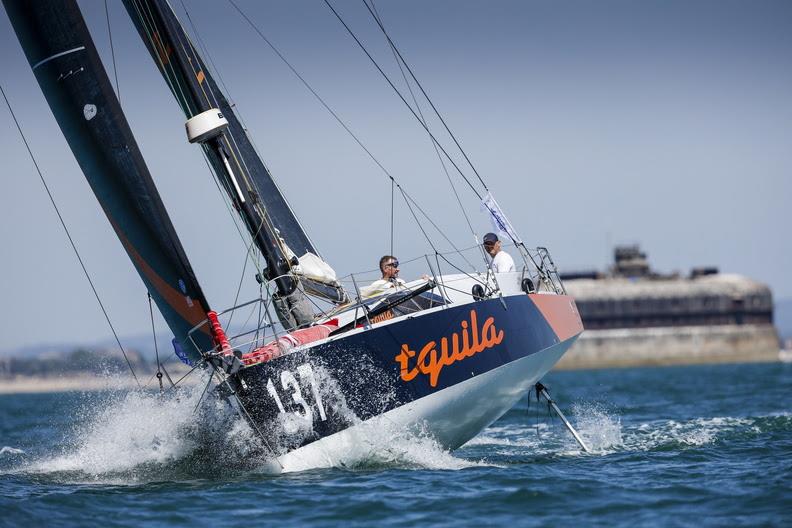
(312, 393)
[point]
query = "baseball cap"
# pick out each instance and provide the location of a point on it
(490, 238)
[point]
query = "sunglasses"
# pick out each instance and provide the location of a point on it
(394, 264)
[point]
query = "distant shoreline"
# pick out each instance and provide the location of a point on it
(84, 383)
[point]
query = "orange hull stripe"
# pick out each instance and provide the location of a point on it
(561, 314)
(192, 314)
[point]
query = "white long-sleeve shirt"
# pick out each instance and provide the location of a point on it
(502, 263)
(381, 286)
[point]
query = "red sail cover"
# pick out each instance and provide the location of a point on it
(285, 343)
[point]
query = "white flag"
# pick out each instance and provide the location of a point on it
(500, 224)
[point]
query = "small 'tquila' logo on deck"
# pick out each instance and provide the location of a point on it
(431, 359)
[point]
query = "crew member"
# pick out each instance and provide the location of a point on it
(389, 266)
(501, 261)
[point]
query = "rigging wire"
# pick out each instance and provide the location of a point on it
(391, 223)
(156, 348)
(255, 426)
(112, 51)
(377, 19)
(310, 88)
(338, 118)
(239, 289)
(420, 226)
(206, 388)
(435, 226)
(377, 270)
(71, 240)
(147, 22)
(213, 99)
(399, 60)
(437, 253)
(205, 51)
(154, 376)
(149, 25)
(200, 364)
(226, 200)
(250, 245)
(171, 78)
(418, 83)
(231, 102)
(396, 90)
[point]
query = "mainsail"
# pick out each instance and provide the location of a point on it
(59, 48)
(275, 229)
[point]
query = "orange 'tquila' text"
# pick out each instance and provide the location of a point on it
(431, 359)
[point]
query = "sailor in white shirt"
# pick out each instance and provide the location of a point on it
(389, 266)
(501, 261)
(390, 281)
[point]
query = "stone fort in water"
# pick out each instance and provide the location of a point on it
(635, 316)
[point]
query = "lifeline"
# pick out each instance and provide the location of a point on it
(428, 362)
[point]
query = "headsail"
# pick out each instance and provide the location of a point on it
(267, 215)
(59, 48)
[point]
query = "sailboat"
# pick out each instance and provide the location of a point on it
(446, 355)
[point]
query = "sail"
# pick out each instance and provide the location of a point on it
(66, 64)
(269, 219)
(196, 91)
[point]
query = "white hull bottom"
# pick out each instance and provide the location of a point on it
(450, 417)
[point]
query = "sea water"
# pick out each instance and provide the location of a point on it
(682, 446)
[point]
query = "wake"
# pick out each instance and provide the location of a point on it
(603, 431)
(137, 437)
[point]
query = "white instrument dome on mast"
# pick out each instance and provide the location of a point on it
(205, 126)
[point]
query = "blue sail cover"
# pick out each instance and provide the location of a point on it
(196, 91)
(59, 48)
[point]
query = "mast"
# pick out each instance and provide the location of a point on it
(211, 122)
(70, 73)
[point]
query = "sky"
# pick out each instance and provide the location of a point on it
(663, 123)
